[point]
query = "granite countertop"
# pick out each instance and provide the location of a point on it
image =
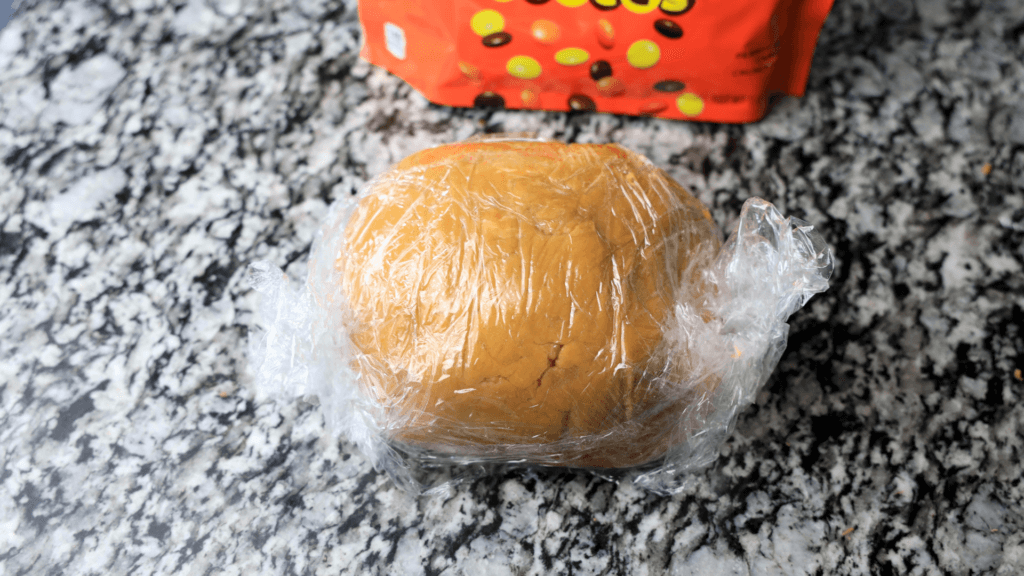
(150, 150)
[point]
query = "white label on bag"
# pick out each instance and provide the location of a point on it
(394, 37)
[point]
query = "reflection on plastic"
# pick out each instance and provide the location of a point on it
(451, 322)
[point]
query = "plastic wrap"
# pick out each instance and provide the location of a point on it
(526, 302)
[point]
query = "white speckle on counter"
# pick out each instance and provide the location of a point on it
(485, 559)
(10, 43)
(82, 201)
(711, 562)
(410, 555)
(78, 93)
(197, 19)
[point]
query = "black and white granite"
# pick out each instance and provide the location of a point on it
(150, 150)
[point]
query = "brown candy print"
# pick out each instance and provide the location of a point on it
(545, 31)
(669, 86)
(652, 108)
(600, 69)
(581, 103)
(489, 100)
(497, 39)
(536, 1)
(470, 71)
(605, 34)
(610, 87)
(606, 4)
(668, 28)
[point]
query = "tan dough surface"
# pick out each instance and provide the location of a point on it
(509, 299)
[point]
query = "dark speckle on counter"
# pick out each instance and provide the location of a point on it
(150, 150)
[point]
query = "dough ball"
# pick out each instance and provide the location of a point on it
(509, 300)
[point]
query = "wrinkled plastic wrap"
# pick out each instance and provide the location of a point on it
(527, 302)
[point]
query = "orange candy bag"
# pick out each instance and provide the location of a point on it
(705, 60)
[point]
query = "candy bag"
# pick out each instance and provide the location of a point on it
(684, 59)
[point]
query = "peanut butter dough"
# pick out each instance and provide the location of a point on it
(509, 300)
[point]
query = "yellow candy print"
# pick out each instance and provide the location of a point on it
(643, 54)
(529, 97)
(523, 67)
(572, 3)
(690, 104)
(487, 22)
(637, 8)
(571, 56)
(676, 7)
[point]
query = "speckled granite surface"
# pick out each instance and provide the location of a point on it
(148, 150)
